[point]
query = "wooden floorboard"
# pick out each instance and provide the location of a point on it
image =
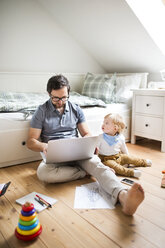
(64, 226)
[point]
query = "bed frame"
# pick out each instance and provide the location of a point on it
(36, 82)
(13, 137)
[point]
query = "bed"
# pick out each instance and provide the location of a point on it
(93, 92)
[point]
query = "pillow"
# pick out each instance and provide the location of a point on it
(124, 84)
(99, 86)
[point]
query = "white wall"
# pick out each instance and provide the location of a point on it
(111, 32)
(31, 40)
(75, 36)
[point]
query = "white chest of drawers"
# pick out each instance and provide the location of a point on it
(148, 115)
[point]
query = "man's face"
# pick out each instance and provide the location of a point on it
(59, 97)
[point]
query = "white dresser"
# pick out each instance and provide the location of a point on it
(148, 115)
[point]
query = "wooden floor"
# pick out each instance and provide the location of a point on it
(64, 226)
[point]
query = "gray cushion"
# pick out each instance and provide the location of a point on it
(100, 86)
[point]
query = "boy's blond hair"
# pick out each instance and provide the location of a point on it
(117, 120)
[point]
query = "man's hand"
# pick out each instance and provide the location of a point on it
(97, 152)
(45, 148)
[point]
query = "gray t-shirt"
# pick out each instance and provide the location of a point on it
(53, 124)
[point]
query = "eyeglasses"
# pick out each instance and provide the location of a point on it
(57, 99)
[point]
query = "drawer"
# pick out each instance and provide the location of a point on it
(13, 146)
(127, 131)
(149, 125)
(149, 105)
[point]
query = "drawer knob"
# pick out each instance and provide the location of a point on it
(146, 125)
(23, 143)
(147, 104)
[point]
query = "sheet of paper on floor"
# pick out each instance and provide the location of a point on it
(92, 196)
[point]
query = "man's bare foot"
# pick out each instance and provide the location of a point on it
(131, 199)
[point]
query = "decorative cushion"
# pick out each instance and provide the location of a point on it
(124, 84)
(100, 86)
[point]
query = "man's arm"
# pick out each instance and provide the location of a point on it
(83, 129)
(33, 143)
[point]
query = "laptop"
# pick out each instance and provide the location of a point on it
(72, 149)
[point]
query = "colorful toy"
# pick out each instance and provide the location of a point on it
(28, 225)
(163, 180)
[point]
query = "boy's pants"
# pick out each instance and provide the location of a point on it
(63, 172)
(117, 161)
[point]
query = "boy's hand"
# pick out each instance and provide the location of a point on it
(96, 151)
(113, 170)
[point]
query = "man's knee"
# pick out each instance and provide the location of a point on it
(95, 160)
(52, 173)
(94, 165)
(41, 171)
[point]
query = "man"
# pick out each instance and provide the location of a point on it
(59, 118)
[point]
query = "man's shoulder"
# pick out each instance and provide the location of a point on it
(74, 105)
(44, 106)
(42, 110)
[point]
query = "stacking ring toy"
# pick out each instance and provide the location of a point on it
(28, 237)
(29, 232)
(27, 218)
(28, 224)
(27, 207)
(25, 213)
(26, 228)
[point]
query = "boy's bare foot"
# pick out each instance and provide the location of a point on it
(131, 199)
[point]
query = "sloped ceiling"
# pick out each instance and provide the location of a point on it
(109, 31)
(152, 16)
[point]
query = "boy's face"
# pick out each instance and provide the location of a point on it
(109, 127)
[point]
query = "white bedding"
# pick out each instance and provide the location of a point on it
(13, 121)
(96, 112)
(95, 117)
(93, 114)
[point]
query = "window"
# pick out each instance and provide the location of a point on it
(151, 14)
